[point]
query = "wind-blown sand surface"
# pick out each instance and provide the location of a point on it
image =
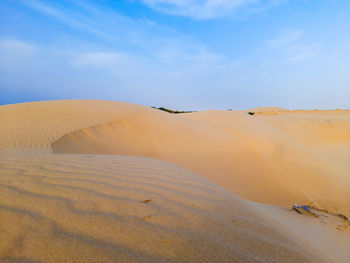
(81, 206)
(291, 157)
(88, 208)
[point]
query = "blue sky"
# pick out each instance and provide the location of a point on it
(183, 54)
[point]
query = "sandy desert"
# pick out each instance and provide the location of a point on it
(104, 181)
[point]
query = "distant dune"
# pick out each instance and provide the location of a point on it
(282, 159)
(263, 109)
(68, 195)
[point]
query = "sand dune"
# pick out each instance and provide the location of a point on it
(29, 127)
(291, 157)
(266, 109)
(88, 208)
(61, 200)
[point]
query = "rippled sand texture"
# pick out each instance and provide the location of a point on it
(32, 127)
(279, 158)
(63, 200)
(88, 208)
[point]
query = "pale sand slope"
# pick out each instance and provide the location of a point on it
(301, 156)
(264, 109)
(82, 208)
(103, 208)
(329, 233)
(34, 126)
(280, 159)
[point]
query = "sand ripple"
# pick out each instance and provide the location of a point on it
(89, 208)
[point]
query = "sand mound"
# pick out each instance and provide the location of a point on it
(34, 126)
(106, 208)
(267, 109)
(87, 208)
(295, 156)
(291, 157)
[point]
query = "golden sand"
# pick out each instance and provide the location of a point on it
(91, 207)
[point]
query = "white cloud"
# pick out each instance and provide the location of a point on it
(301, 52)
(287, 37)
(100, 59)
(206, 9)
(76, 72)
(137, 55)
(74, 20)
(16, 54)
(293, 47)
(104, 23)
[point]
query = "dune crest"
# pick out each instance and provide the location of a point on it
(270, 159)
(267, 109)
(33, 126)
(63, 198)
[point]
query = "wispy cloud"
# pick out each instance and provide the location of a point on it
(69, 17)
(293, 47)
(287, 37)
(207, 9)
(104, 23)
(105, 50)
(169, 49)
(74, 72)
(16, 54)
(301, 51)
